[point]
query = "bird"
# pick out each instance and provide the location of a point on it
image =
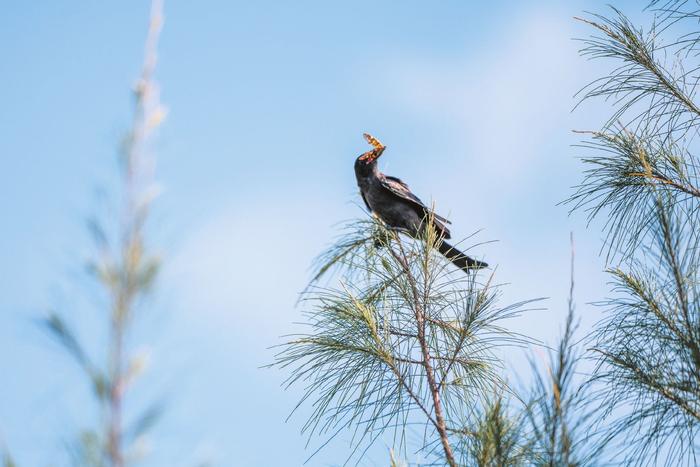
(390, 199)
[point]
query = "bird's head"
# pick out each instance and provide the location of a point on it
(367, 161)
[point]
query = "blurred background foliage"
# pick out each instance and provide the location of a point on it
(124, 271)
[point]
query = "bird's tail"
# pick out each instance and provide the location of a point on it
(458, 258)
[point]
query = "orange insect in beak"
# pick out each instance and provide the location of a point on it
(374, 154)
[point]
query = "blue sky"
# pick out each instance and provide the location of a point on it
(267, 103)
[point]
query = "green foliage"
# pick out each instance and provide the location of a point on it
(561, 416)
(7, 460)
(88, 450)
(649, 342)
(650, 87)
(643, 179)
(399, 339)
(625, 176)
(499, 438)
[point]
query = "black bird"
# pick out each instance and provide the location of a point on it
(391, 200)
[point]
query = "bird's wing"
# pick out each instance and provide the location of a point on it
(400, 188)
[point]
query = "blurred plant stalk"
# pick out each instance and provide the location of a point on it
(125, 271)
(132, 270)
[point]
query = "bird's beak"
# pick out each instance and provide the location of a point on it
(374, 154)
(370, 156)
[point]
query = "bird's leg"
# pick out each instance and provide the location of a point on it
(381, 241)
(399, 230)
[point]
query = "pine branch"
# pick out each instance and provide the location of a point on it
(398, 339)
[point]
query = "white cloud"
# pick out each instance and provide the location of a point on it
(245, 266)
(504, 101)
